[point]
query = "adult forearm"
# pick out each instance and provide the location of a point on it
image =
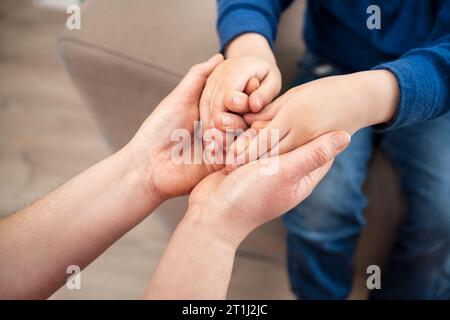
(196, 264)
(70, 226)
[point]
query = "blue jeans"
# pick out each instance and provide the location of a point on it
(322, 232)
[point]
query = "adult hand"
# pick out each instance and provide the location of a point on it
(232, 205)
(151, 148)
(223, 209)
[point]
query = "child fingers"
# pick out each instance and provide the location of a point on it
(266, 114)
(252, 85)
(236, 101)
(241, 143)
(230, 94)
(287, 144)
(237, 147)
(258, 125)
(228, 121)
(265, 93)
(263, 143)
(247, 148)
(270, 111)
(233, 82)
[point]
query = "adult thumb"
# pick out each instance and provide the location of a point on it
(313, 155)
(195, 79)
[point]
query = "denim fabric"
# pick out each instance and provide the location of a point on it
(322, 231)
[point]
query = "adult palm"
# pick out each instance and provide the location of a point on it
(151, 148)
(238, 202)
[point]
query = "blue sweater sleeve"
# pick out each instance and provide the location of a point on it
(423, 75)
(236, 17)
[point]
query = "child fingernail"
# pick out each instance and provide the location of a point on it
(257, 103)
(225, 121)
(237, 100)
(258, 125)
(242, 145)
(340, 140)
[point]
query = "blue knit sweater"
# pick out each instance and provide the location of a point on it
(413, 43)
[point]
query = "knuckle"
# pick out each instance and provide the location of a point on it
(320, 156)
(305, 185)
(267, 93)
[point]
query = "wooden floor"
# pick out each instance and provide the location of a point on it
(48, 135)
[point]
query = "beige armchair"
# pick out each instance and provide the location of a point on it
(128, 55)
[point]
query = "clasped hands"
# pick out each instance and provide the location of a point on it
(76, 222)
(230, 205)
(79, 220)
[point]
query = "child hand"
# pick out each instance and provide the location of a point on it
(340, 103)
(245, 82)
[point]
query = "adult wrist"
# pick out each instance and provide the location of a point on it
(136, 177)
(212, 222)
